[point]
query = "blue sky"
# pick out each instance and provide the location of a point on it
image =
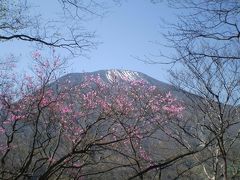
(127, 31)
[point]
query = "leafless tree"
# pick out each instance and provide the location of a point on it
(203, 26)
(214, 114)
(206, 41)
(19, 21)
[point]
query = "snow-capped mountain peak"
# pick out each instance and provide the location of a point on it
(116, 74)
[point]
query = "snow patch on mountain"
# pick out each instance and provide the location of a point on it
(113, 75)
